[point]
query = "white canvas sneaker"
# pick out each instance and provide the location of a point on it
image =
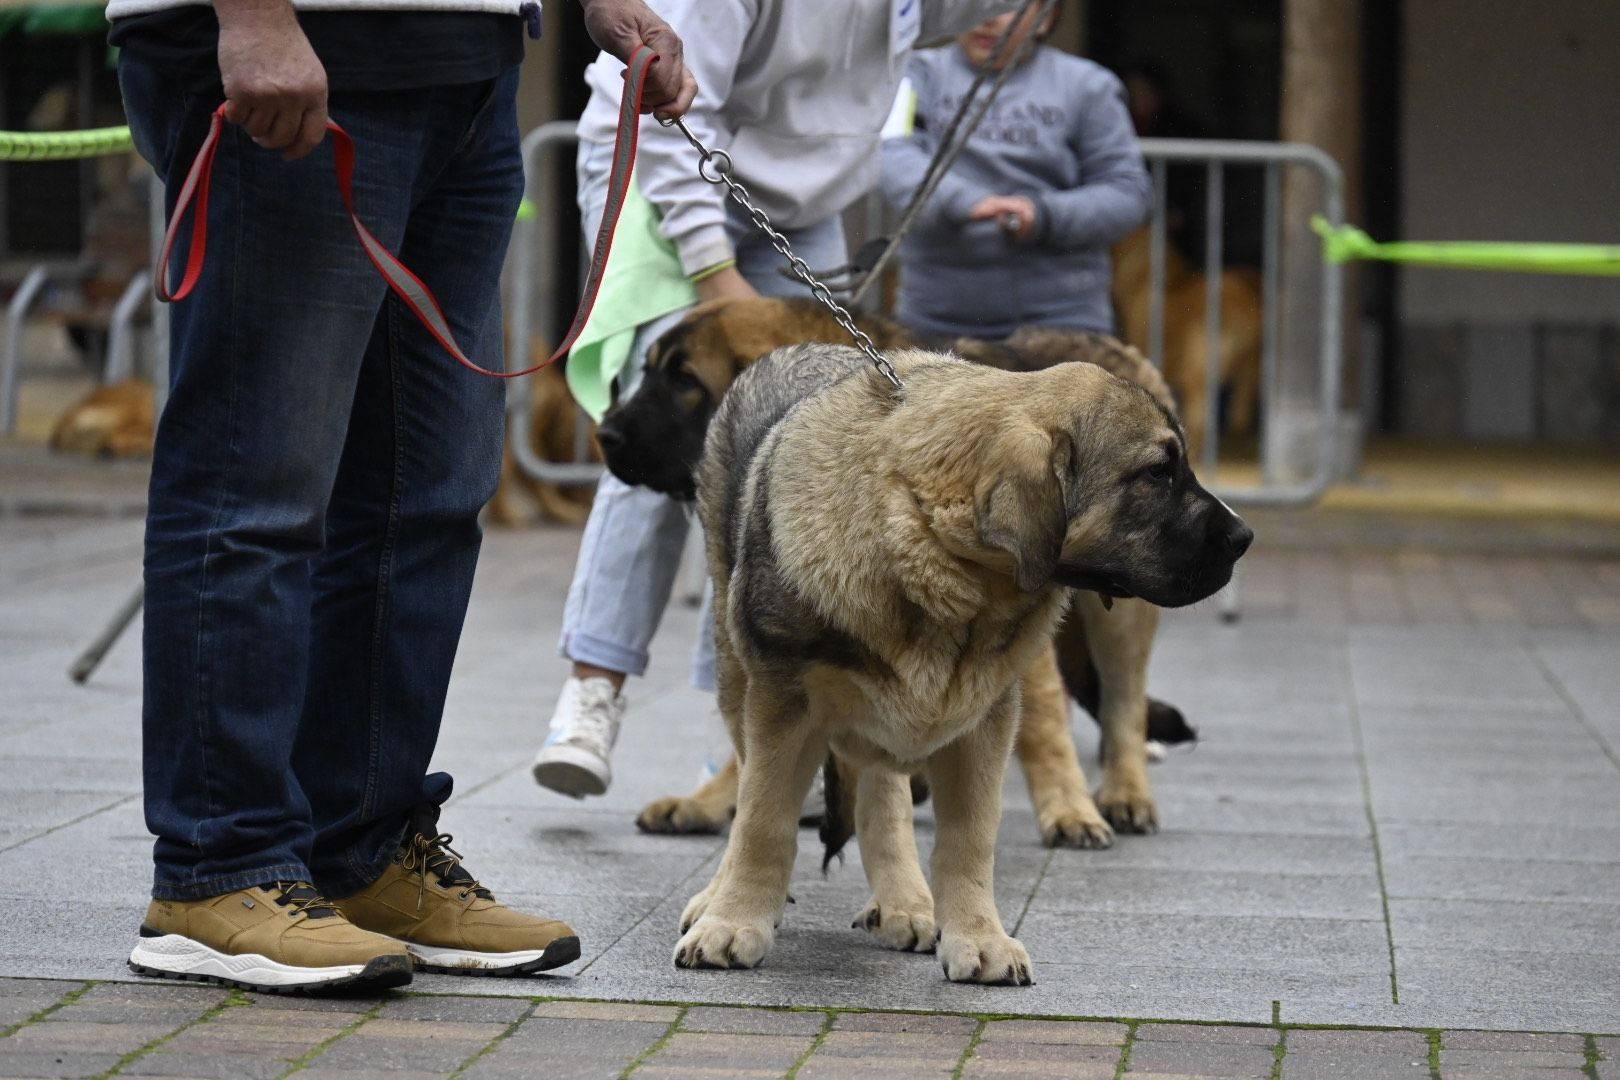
(573, 760)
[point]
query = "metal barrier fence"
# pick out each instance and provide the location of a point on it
(526, 253)
(532, 243)
(1273, 158)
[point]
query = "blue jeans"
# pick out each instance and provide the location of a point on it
(631, 550)
(316, 484)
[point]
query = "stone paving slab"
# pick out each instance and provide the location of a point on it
(102, 1029)
(1389, 799)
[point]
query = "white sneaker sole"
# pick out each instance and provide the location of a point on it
(567, 770)
(444, 961)
(173, 956)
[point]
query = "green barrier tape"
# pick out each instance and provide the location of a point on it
(1347, 242)
(527, 211)
(63, 145)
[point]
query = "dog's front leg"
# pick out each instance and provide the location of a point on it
(966, 777)
(901, 912)
(1063, 808)
(1120, 641)
(738, 922)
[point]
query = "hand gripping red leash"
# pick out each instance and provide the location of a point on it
(406, 285)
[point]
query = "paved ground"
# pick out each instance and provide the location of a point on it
(74, 1029)
(1405, 813)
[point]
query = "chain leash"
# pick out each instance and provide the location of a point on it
(715, 167)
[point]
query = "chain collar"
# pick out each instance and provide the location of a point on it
(715, 167)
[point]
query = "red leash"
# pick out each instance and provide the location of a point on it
(405, 284)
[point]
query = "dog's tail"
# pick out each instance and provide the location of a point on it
(838, 819)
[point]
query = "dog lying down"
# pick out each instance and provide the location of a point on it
(886, 567)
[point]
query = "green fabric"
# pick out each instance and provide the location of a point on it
(76, 20)
(643, 280)
(1346, 242)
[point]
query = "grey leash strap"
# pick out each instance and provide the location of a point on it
(715, 167)
(951, 144)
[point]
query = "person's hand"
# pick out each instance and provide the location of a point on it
(726, 283)
(619, 26)
(1010, 207)
(275, 86)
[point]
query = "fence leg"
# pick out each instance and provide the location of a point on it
(98, 649)
(1230, 599)
(16, 318)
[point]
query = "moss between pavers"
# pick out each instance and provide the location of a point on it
(65, 1000)
(490, 1047)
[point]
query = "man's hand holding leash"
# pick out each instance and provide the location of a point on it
(275, 86)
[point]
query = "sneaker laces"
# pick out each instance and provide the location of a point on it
(423, 854)
(592, 726)
(303, 898)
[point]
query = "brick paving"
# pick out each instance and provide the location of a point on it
(90, 1029)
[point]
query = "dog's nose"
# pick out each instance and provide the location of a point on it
(1238, 538)
(611, 439)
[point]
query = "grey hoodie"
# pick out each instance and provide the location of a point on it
(795, 90)
(1059, 133)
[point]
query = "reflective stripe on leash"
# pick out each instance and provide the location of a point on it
(406, 285)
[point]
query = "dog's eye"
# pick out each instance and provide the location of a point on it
(1161, 472)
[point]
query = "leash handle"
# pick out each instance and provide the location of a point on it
(411, 290)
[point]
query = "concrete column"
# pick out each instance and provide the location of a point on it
(1321, 105)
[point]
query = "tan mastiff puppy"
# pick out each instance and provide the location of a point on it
(656, 437)
(887, 567)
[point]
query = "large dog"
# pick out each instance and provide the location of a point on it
(1186, 335)
(655, 438)
(887, 567)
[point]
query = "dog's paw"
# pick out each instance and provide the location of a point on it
(1129, 808)
(989, 959)
(898, 929)
(1074, 825)
(680, 815)
(695, 907)
(716, 943)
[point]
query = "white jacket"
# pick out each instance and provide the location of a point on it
(118, 9)
(795, 90)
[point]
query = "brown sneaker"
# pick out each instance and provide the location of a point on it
(281, 938)
(450, 922)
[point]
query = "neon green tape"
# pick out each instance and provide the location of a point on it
(1346, 242)
(527, 211)
(63, 145)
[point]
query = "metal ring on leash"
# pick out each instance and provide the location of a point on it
(720, 171)
(762, 222)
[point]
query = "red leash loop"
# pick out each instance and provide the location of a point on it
(406, 285)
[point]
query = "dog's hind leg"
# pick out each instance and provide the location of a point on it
(1121, 641)
(706, 810)
(742, 904)
(711, 807)
(901, 912)
(1063, 806)
(966, 776)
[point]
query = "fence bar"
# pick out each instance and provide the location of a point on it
(120, 363)
(1156, 275)
(1270, 298)
(16, 316)
(520, 395)
(1159, 152)
(1215, 203)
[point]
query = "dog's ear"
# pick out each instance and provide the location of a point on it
(1023, 512)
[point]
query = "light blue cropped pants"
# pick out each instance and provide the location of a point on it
(631, 550)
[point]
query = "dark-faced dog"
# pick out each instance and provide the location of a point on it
(656, 436)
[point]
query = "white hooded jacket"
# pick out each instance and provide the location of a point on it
(795, 91)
